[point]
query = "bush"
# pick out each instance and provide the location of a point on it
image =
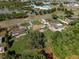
(54, 16)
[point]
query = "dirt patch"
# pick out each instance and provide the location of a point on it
(36, 27)
(72, 57)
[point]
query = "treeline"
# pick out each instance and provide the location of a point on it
(42, 12)
(37, 39)
(23, 15)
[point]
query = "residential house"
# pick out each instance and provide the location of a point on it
(56, 27)
(44, 21)
(1, 49)
(52, 25)
(16, 30)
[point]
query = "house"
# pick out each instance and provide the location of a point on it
(44, 21)
(56, 27)
(1, 49)
(52, 25)
(16, 30)
(74, 5)
(46, 2)
(41, 30)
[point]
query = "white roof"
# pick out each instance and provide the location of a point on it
(76, 5)
(59, 24)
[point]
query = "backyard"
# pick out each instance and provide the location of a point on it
(58, 44)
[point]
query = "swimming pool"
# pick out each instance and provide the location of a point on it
(46, 7)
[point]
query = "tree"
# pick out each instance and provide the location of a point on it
(77, 0)
(37, 39)
(40, 12)
(69, 13)
(54, 16)
(65, 42)
(53, 9)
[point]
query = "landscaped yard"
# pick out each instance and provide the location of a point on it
(37, 22)
(28, 45)
(62, 44)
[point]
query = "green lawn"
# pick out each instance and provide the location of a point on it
(21, 45)
(27, 50)
(36, 21)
